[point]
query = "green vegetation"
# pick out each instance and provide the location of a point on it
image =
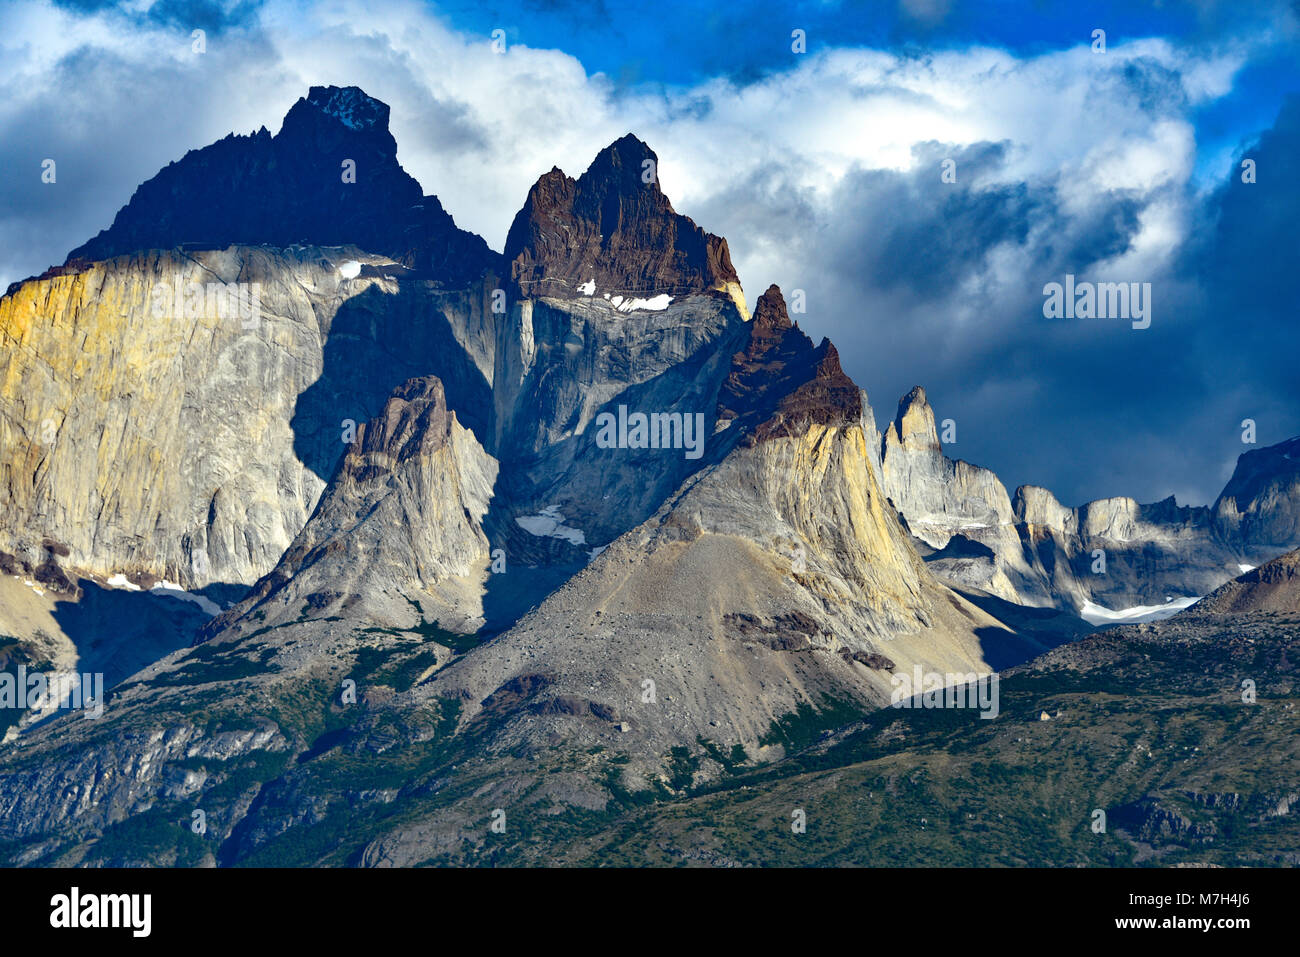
(804, 725)
(210, 663)
(160, 835)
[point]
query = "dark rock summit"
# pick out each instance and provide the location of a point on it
(293, 188)
(612, 228)
(780, 382)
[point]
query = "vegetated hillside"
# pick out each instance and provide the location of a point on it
(1146, 723)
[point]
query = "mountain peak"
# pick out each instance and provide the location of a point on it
(627, 165)
(770, 312)
(330, 177)
(780, 382)
(350, 105)
(1250, 504)
(614, 227)
(913, 426)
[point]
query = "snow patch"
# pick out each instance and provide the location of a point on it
(350, 269)
(550, 524)
(588, 288)
(172, 590)
(166, 589)
(654, 303)
(1246, 568)
(1095, 614)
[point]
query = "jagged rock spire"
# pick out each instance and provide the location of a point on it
(781, 382)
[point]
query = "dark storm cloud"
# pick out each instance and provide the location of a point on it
(928, 237)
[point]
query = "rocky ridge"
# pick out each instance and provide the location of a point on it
(1110, 554)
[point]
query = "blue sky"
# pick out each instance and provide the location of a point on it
(821, 169)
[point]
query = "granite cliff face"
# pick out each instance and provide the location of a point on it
(1260, 505)
(177, 442)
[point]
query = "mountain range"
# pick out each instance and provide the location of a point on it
(375, 532)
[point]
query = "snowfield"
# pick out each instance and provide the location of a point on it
(1095, 614)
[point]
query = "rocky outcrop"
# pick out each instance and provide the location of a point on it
(397, 539)
(1272, 587)
(779, 384)
(938, 496)
(612, 232)
(167, 436)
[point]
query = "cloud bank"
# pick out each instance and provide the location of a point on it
(921, 200)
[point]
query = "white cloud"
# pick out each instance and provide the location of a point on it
(477, 128)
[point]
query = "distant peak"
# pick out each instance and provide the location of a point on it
(916, 396)
(914, 422)
(770, 311)
(350, 105)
